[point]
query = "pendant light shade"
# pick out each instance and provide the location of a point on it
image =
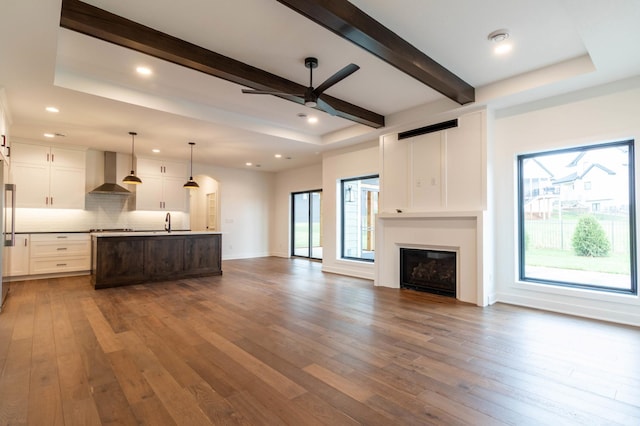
(191, 184)
(132, 179)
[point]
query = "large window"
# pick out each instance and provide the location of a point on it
(577, 217)
(359, 209)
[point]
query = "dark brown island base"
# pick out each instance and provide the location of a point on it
(125, 258)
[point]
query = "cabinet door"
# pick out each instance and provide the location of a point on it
(119, 260)
(32, 184)
(68, 158)
(175, 169)
(15, 261)
(163, 257)
(175, 195)
(148, 167)
(67, 188)
(202, 254)
(33, 154)
(149, 193)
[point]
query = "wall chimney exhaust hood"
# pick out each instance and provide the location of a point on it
(110, 186)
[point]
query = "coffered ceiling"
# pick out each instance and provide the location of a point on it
(558, 46)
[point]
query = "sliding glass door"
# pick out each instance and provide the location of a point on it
(306, 224)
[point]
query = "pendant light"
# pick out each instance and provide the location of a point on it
(191, 184)
(132, 179)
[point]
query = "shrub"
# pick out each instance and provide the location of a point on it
(589, 238)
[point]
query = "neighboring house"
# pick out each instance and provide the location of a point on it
(594, 186)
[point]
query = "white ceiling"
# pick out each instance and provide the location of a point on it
(559, 45)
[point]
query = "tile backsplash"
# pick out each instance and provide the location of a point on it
(101, 212)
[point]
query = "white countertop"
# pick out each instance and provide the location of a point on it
(151, 233)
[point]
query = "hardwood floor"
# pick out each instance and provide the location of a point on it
(276, 341)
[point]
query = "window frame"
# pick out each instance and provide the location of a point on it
(309, 221)
(342, 216)
(633, 290)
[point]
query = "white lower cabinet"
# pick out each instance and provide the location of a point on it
(57, 253)
(15, 259)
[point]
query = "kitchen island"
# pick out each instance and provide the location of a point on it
(125, 258)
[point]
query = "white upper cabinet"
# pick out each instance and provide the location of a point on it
(162, 185)
(48, 177)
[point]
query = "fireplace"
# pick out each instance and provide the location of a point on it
(432, 271)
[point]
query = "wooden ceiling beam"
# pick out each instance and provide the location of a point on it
(92, 21)
(351, 23)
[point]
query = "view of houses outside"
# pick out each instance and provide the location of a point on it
(558, 191)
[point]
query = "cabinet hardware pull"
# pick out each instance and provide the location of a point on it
(51, 200)
(61, 248)
(25, 242)
(47, 157)
(46, 201)
(62, 236)
(52, 157)
(61, 264)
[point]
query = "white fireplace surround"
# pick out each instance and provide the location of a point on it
(461, 232)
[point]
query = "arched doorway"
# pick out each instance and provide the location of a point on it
(204, 205)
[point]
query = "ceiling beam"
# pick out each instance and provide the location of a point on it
(92, 21)
(351, 23)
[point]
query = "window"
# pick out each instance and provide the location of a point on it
(581, 233)
(306, 224)
(359, 209)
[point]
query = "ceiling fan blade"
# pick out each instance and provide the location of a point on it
(267, 92)
(336, 78)
(326, 107)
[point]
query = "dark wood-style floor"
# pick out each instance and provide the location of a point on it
(276, 341)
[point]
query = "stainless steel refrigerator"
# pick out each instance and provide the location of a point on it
(7, 219)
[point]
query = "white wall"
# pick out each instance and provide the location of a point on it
(296, 180)
(360, 160)
(598, 115)
(246, 199)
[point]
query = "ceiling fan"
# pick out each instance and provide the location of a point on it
(312, 95)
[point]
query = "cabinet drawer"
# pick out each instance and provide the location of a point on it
(48, 265)
(60, 249)
(61, 237)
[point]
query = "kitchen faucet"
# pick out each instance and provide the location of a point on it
(167, 222)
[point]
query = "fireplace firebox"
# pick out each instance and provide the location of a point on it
(432, 271)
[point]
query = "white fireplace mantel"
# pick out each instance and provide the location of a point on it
(431, 214)
(464, 231)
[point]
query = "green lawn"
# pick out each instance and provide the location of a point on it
(616, 263)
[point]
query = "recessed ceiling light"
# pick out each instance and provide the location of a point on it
(143, 70)
(248, 164)
(499, 37)
(52, 109)
(312, 120)
(49, 135)
(278, 155)
(156, 150)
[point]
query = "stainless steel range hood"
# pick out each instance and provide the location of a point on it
(110, 186)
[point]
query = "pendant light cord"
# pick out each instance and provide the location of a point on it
(133, 144)
(191, 174)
